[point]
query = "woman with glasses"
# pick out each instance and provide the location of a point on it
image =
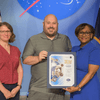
(11, 72)
(88, 62)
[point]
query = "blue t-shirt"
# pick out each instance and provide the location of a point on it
(89, 54)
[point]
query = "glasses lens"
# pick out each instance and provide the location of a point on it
(86, 33)
(5, 32)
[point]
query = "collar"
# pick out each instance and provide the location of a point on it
(86, 46)
(45, 37)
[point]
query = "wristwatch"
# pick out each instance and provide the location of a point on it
(79, 88)
(19, 85)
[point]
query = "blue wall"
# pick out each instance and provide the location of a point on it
(28, 25)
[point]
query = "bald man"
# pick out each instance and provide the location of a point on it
(35, 54)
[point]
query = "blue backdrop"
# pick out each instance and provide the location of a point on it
(70, 13)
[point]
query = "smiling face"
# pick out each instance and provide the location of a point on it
(50, 26)
(5, 33)
(85, 36)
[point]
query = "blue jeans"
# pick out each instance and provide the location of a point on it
(10, 87)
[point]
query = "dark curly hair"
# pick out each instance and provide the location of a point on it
(12, 38)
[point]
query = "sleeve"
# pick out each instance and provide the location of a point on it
(19, 52)
(28, 50)
(94, 57)
(72, 50)
(16, 50)
(69, 44)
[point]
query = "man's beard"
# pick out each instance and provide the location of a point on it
(50, 35)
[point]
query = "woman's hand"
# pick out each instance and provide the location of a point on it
(14, 91)
(7, 93)
(71, 89)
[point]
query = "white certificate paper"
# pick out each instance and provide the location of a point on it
(61, 69)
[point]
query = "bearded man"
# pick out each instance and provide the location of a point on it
(35, 54)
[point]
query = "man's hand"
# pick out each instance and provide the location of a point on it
(14, 91)
(42, 55)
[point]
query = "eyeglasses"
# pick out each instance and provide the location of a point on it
(86, 33)
(5, 32)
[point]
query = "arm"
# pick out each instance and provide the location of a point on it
(20, 73)
(93, 66)
(20, 77)
(31, 60)
(69, 44)
(92, 69)
(28, 54)
(6, 92)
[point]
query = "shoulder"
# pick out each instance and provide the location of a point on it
(63, 36)
(93, 48)
(35, 37)
(94, 55)
(75, 48)
(14, 48)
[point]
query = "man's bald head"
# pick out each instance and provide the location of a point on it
(50, 25)
(50, 16)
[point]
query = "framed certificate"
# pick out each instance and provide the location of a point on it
(61, 69)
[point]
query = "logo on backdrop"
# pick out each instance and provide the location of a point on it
(60, 8)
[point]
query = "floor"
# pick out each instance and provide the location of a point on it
(24, 97)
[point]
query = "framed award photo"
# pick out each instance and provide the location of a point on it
(61, 69)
